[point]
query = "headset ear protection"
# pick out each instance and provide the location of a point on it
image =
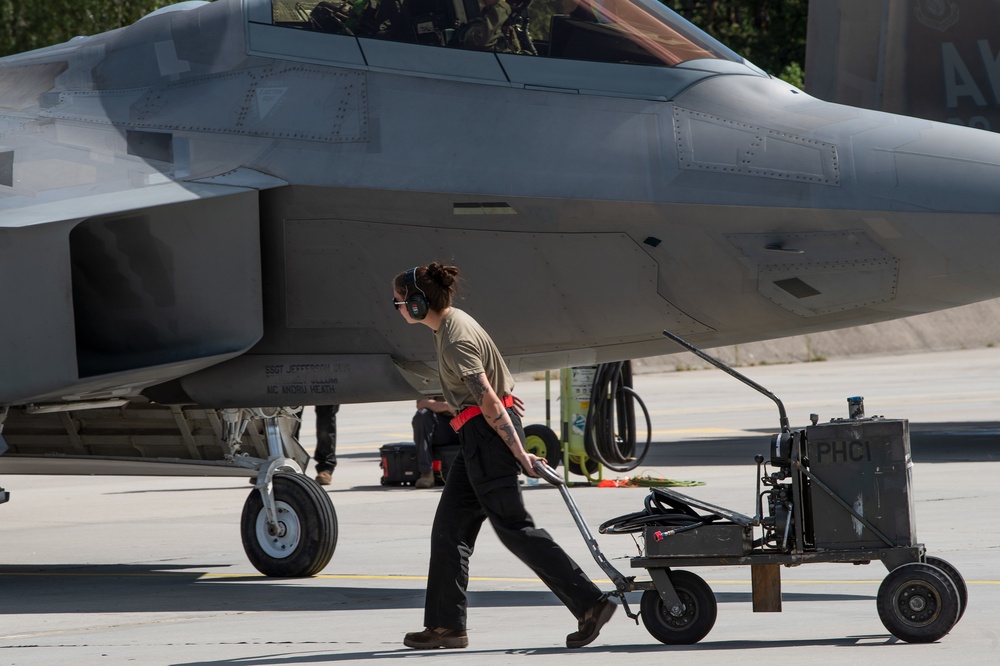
(416, 302)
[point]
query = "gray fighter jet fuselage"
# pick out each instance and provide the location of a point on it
(208, 207)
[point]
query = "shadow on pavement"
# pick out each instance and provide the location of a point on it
(55, 589)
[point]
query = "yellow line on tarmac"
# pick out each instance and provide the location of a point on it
(397, 577)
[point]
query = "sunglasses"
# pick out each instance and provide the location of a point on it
(396, 304)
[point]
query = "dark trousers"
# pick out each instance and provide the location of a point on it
(326, 437)
(483, 484)
(431, 430)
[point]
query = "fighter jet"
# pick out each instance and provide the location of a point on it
(201, 214)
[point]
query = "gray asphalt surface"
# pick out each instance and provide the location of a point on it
(151, 570)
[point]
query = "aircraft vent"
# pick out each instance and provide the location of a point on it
(819, 273)
(797, 288)
(7, 168)
(485, 208)
(157, 146)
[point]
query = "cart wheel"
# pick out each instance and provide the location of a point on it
(308, 528)
(590, 464)
(543, 443)
(956, 578)
(693, 624)
(918, 603)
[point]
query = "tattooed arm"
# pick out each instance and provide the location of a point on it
(499, 419)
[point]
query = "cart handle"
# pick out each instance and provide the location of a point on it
(782, 416)
(543, 470)
(622, 584)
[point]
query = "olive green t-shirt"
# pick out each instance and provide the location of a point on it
(463, 349)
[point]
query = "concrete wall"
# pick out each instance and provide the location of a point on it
(968, 327)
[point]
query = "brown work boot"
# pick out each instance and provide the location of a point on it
(591, 623)
(324, 478)
(426, 480)
(432, 638)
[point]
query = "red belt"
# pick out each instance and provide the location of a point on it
(472, 412)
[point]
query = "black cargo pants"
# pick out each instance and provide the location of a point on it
(483, 484)
(325, 454)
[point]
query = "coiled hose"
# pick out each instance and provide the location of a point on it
(612, 401)
(660, 511)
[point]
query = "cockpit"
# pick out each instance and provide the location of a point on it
(638, 32)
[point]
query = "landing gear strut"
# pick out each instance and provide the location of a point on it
(288, 526)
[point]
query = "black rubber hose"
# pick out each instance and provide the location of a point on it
(657, 513)
(612, 401)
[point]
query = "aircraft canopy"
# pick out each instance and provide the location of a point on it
(642, 32)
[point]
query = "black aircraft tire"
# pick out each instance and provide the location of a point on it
(310, 529)
(918, 603)
(956, 578)
(543, 443)
(700, 610)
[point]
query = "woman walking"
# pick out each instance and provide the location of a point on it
(483, 481)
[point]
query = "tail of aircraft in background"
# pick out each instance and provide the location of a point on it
(933, 59)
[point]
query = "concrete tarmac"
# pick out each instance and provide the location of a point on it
(151, 570)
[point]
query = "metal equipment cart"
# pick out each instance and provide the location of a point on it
(837, 492)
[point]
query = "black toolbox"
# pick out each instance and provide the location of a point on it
(399, 464)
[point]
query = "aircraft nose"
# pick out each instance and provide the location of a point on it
(927, 166)
(940, 186)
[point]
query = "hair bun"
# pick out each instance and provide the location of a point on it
(446, 276)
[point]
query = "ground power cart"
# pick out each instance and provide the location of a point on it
(836, 492)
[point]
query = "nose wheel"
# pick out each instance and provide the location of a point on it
(303, 538)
